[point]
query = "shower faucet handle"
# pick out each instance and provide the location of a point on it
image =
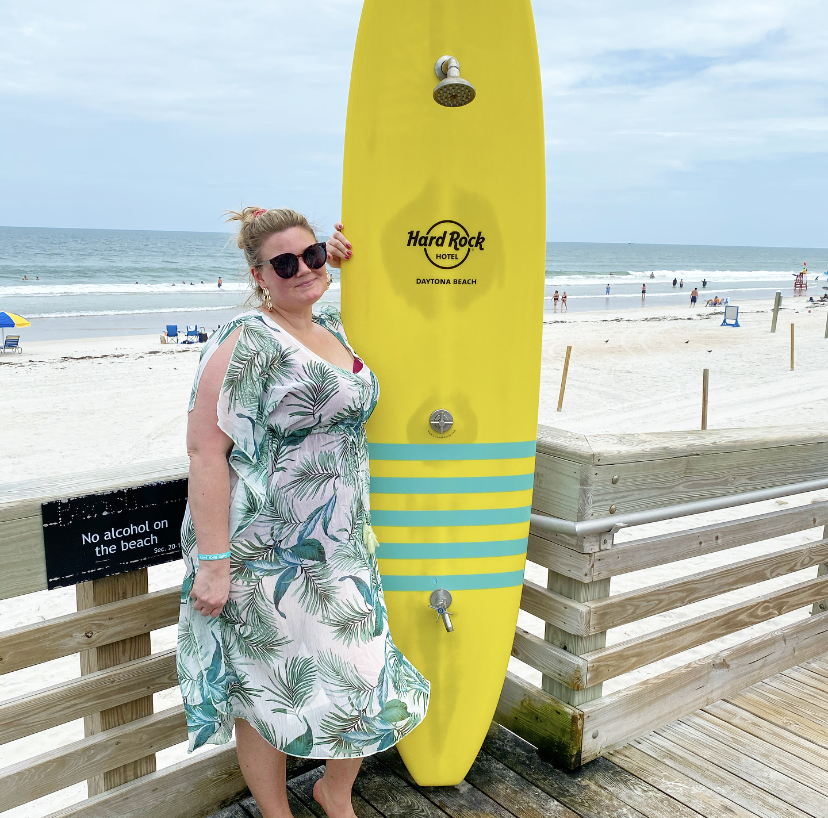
(440, 601)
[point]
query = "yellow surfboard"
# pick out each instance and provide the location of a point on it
(444, 201)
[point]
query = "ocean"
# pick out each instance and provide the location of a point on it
(84, 283)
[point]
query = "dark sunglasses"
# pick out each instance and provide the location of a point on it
(286, 265)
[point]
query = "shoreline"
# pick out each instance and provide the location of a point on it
(154, 323)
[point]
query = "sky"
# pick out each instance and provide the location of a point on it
(691, 122)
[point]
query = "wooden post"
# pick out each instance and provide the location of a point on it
(89, 595)
(822, 571)
(563, 379)
(826, 326)
(792, 347)
(777, 303)
(705, 393)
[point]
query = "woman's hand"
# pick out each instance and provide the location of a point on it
(211, 587)
(339, 248)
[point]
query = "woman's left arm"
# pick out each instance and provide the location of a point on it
(339, 248)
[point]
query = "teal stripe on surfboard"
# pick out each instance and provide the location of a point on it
(451, 451)
(452, 485)
(450, 550)
(430, 518)
(453, 582)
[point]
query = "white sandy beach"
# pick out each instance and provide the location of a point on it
(82, 404)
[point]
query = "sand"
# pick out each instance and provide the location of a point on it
(77, 405)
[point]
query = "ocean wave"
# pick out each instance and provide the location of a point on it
(573, 278)
(37, 289)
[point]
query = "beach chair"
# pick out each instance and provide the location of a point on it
(12, 343)
(192, 334)
(731, 317)
(172, 332)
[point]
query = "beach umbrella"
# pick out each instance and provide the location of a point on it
(9, 320)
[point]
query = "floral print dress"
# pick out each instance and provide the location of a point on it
(302, 649)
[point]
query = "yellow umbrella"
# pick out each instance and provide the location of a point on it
(9, 319)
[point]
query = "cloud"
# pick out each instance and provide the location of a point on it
(171, 111)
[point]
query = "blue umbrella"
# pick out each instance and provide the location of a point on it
(9, 319)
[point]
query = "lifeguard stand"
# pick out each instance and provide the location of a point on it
(801, 280)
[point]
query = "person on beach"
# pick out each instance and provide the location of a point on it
(608, 288)
(652, 275)
(675, 281)
(219, 282)
(283, 631)
(643, 291)
(681, 284)
(555, 298)
(563, 302)
(704, 282)
(25, 278)
(693, 296)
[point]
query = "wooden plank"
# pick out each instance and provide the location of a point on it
(297, 808)
(663, 548)
(652, 446)
(301, 787)
(785, 740)
(654, 702)
(622, 609)
(70, 700)
(561, 443)
(640, 795)
(776, 712)
(584, 797)
(64, 635)
(808, 677)
(390, 795)
(756, 772)
(710, 775)
(461, 801)
(21, 525)
(807, 693)
(514, 792)
(552, 661)
(568, 615)
(71, 763)
(193, 788)
(92, 594)
(664, 482)
(623, 657)
(561, 488)
(739, 742)
(555, 728)
(557, 557)
(684, 789)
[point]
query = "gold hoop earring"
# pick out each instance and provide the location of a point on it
(330, 280)
(267, 302)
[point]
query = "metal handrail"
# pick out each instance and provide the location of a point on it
(540, 524)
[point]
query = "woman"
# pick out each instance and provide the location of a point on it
(283, 629)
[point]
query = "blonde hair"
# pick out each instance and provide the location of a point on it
(257, 224)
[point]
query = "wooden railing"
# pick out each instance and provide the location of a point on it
(587, 477)
(570, 720)
(119, 674)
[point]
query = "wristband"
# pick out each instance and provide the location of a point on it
(226, 555)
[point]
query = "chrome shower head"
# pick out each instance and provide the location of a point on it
(453, 91)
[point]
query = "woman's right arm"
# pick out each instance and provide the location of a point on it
(209, 483)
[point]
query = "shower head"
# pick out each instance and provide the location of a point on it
(453, 91)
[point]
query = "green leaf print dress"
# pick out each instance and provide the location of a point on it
(302, 649)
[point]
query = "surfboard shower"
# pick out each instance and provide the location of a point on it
(458, 187)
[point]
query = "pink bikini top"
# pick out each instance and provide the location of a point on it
(357, 364)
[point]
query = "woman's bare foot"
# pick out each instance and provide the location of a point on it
(334, 807)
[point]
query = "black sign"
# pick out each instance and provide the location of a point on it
(104, 534)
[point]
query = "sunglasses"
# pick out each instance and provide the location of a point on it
(286, 265)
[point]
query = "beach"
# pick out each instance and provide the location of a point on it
(631, 370)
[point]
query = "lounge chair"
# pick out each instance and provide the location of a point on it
(12, 343)
(192, 334)
(172, 332)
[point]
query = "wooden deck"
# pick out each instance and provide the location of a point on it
(762, 752)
